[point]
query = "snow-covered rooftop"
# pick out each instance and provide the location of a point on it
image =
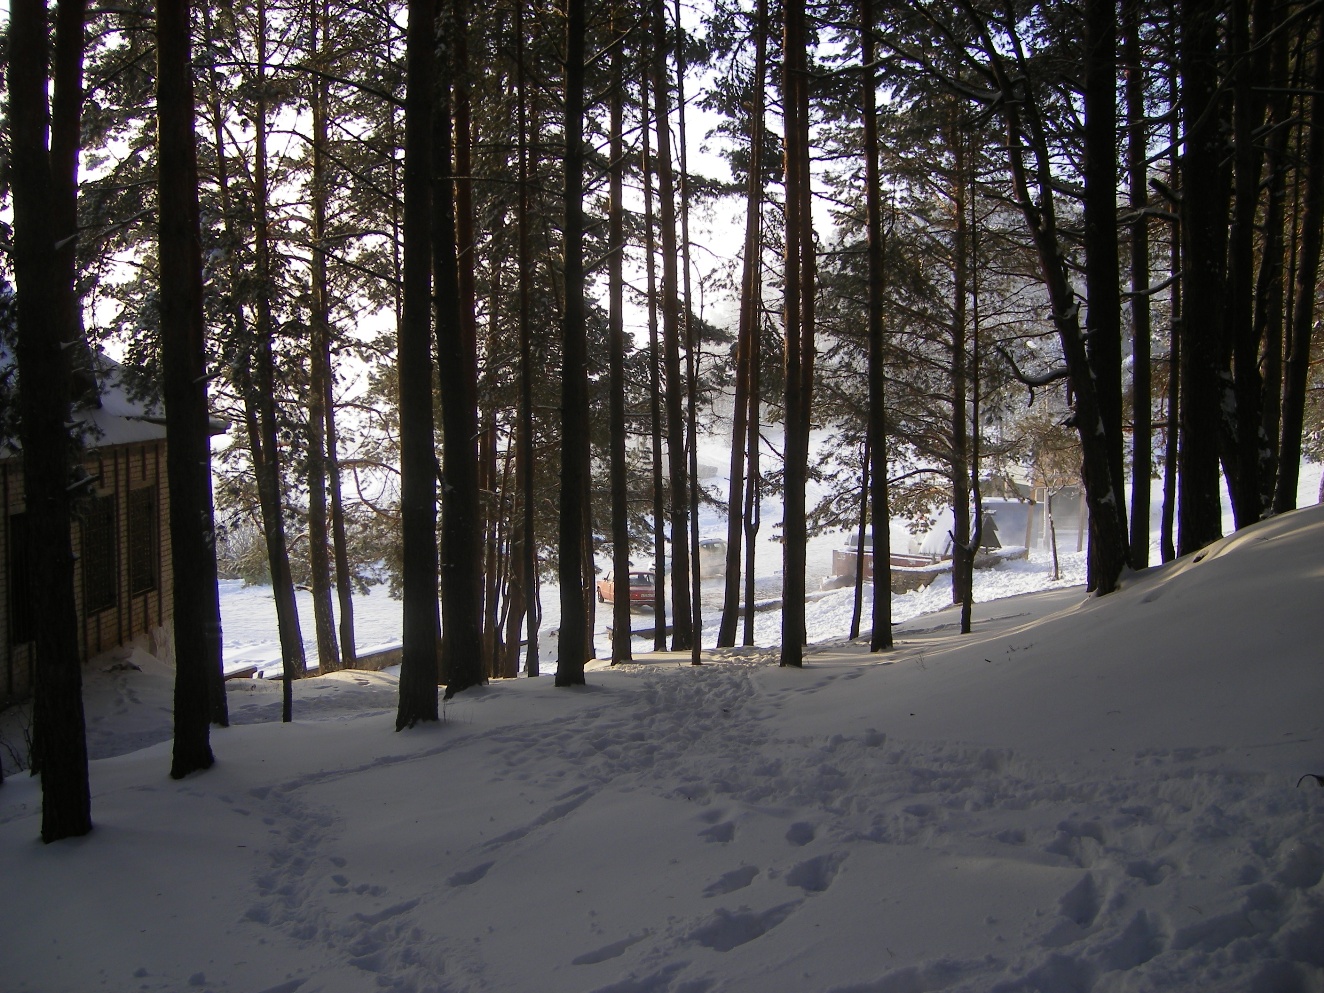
(119, 417)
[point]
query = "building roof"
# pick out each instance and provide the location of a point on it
(117, 416)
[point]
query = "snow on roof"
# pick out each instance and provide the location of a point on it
(119, 418)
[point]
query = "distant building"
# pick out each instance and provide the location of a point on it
(121, 537)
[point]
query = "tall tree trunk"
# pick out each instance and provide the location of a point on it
(753, 480)
(461, 520)
(799, 331)
(489, 486)
(266, 451)
(857, 606)
(977, 530)
(654, 390)
(339, 539)
(466, 260)
(879, 497)
(242, 375)
(962, 563)
(576, 638)
(528, 543)
(751, 306)
(1172, 428)
(1248, 66)
(691, 355)
(1103, 313)
(620, 508)
(418, 461)
(1026, 138)
(683, 626)
(319, 365)
(1137, 152)
(44, 283)
(1297, 371)
(1204, 235)
(1269, 291)
(197, 621)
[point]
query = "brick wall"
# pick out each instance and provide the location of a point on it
(134, 476)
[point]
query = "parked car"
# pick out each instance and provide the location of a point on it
(712, 558)
(641, 586)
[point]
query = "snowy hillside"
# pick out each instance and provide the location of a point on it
(1083, 795)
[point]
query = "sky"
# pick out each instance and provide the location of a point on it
(1085, 794)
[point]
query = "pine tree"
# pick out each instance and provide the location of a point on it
(41, 183)
(197, 620)
(418, 463)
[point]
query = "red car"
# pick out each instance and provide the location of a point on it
(641, 587)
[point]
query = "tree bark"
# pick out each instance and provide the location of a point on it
(751, 307)
(527, 543)
(265, 447)
(339, 539)
(319, 372)
(44, 287)
(683, 629)
(620, 509)
(197, 621)
(1103, 313)
(1172, 429)
(1026, 137)
(1297, 371)
(654, 390)
(1142, 444)
(754, 479)
(962, 563)
(418, 462)
(1204, 237)
(691, 356)
(576, 638)
(1249, 66)
(1270, 317)
(857, 606)
(879, 497)
(977, 530)
(462, 663)
(799, 330)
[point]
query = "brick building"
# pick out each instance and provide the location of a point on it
(121, 537)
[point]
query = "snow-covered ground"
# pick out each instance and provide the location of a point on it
(1086, 794)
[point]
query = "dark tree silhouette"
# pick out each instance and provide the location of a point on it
(46, 314)
(197, 621)
(418, 462)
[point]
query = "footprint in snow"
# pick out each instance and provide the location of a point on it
(727, 930)
(815, 875)
(1082, 902)
(1079, 908)
(466, 877)
(615, 950)
(729, 882)
(800, 833)
(1140, 941)
(726, 831)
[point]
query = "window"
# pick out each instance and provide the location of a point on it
(99, 556)
(20, 584)
(144, 546)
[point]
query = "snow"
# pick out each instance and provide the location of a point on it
(1085, 794)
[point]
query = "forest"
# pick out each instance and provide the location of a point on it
(446, 273)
